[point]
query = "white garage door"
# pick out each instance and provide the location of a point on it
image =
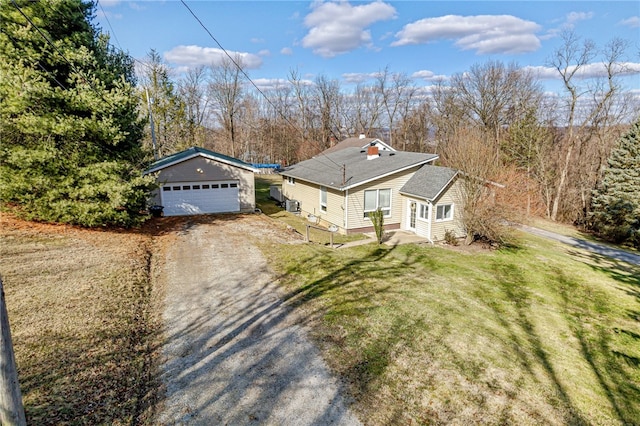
(186, 198)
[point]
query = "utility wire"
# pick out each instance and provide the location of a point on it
(16, 44)
(54, 46)
(252, 83)
(109, 23)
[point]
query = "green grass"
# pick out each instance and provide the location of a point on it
(269, 207)
(84, 322)
(426, 335)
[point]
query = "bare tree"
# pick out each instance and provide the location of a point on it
(225, 90)
(589, 102)
(192, 89)
(328, 105)
(491, 93)
(166, 107)
(367, 105)
(397, 92)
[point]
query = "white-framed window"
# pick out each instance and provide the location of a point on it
(444, 212)
(423, 211)
(323, 198)
(291, 180)
(375, 199)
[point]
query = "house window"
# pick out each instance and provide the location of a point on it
(423, 211)
(444, 212)
(291, 180)
(323, 199)
(375, 199)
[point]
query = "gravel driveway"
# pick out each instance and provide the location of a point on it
(234, 352)
(593, 247)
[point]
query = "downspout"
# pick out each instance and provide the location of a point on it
(346, 211)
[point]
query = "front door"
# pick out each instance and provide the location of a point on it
(411, 216)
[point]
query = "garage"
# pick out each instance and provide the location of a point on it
(188, 198)
(199, 181)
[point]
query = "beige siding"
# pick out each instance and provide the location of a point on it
(355, 207)
(422, 225)
(200, 169)
(308, 195)
(453, 195)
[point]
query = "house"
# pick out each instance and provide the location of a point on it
(199, 181)
(343, 187)
(361, 142)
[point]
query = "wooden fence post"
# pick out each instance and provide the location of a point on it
(11, 409)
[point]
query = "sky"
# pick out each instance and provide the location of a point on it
(352, 41)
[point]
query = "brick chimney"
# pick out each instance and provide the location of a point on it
(372, 152)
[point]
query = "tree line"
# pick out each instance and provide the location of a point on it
(79, 123)
(494, 120)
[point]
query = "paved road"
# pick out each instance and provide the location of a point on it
(601, 249)
(235, 353)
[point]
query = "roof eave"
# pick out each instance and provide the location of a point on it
(199, 154)
(389, 173)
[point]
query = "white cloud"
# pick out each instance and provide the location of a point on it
(266, 84)
(594, 70)
(356, 78)
(632, 22)
(339, 27)
(110, 3)
(286, 51)
(573, 17)
(427, 75)
(196, 55)
(486, 34)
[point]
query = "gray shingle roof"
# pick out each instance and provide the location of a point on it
(428, 182)
(327, 169)
(194, 152)
(350, 143)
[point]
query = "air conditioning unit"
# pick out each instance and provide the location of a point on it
(292, 205)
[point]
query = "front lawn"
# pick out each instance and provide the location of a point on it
(84, 316)
(542, 334)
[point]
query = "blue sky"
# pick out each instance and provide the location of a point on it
(352, 40)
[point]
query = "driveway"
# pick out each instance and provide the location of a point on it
(600, 249)
(235, 353)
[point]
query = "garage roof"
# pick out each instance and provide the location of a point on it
(193, 152)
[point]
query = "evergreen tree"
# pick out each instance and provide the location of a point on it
(616, 203)
(69, 119)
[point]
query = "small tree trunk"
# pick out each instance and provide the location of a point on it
(11, 409)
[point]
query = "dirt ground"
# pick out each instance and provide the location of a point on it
(234, 352)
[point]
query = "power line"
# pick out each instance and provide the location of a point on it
(58, 50)
(109, 23)
(252, 83)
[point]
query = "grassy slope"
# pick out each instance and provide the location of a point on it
(423, 334)
(81, 307)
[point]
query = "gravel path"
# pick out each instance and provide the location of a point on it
(235, 353)
(593, 247)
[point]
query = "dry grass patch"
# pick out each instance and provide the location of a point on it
(84, 320)
(424, 335)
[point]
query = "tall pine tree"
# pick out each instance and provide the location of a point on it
(69, 126)
(616, 202)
